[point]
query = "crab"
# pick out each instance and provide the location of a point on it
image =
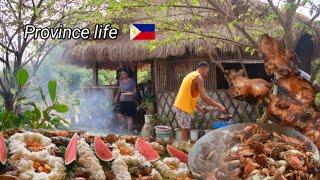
(252, 129)
(255, 153)
(245, 151)
(267, 147)
(297, 174)
(265, 161)
(295, 159)
(256, 146)
(248, 166)
(311, 162)
(259, 173)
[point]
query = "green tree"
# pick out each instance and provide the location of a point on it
(238, 23)
(17, 51)
(107, 77)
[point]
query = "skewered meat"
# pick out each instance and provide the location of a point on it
(248, 89)
(297, 88)
(287, 112)
(277, 61)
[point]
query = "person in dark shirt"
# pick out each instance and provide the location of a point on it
(127, 96)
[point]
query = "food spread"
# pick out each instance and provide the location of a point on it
(42, 154)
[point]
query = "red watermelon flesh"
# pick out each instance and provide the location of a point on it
(183, 157)
(71, 152)
(101, 149)
(146, 150)
(3, 150)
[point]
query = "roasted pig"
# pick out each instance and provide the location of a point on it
(277, 61)
(297, 88)
(288, 112)
(245, 88)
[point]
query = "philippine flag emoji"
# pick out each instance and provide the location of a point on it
(142, 32)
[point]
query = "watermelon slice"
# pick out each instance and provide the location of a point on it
(3, 150)
(71, 152)
(101, 149)
(146, 150)
(183, 157)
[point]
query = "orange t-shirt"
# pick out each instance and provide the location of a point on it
(184, 100)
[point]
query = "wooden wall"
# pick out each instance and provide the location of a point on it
(168, 74)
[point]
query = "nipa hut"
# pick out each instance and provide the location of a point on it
(170, 62)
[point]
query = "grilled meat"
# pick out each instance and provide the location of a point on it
(289, 112)
(277, 61)
(248, 89)
(297, 88)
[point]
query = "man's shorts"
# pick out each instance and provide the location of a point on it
(183, 118)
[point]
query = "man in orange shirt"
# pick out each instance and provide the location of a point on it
(187, 98)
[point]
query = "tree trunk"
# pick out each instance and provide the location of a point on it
(8, 101)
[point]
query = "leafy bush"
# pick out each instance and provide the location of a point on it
(144, 75)
(27, 113)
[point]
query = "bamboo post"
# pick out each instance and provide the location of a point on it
(153, 85)
(95, 72)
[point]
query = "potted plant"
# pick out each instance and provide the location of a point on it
(196, 124)
(162, 128)
(147, 103)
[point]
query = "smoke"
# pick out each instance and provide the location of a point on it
(90, 109)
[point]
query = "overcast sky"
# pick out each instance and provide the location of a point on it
(303, 10)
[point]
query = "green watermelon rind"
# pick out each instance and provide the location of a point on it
(151, 149)
(174, 152)
(73, 140)
(97, 140)
(3, 150)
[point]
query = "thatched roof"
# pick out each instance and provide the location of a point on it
(86, 53)
(109, 52)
